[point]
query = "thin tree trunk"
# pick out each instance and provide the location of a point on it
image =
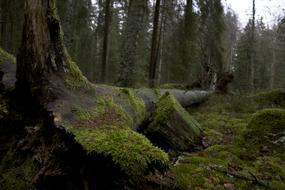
(154, 46)
(252, 57)
(106, 40)
(161, 43)
(273, 63)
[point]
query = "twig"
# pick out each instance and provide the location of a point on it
(254, 179)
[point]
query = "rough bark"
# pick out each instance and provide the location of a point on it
(43, 64)
(132, 34)
(106, 40)
(154, 46)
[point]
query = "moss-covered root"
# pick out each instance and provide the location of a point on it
(130, 151)
(266, 131)
(172, 128)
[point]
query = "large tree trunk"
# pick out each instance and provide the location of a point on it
(132, 34)
(43, 63)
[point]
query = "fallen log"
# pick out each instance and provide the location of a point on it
(95, 126)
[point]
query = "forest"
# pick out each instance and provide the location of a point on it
(140, 95)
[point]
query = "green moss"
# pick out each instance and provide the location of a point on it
(131, 151)
(172, 86)
(15, 175)
(213, 136)
(137, 103)
(254, 150)
(74, 78)
(3, 108)
(193, 173)
(274, 98)
(165, 106)
(107, 112)
(265, 129)
(220, 128)
(4, 56)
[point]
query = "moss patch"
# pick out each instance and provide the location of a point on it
(4, 56)
(16, 175)
(137, 104)
(274, 98)
(107, 112)
(246, 151)
(166, 105)
(3, 108)
(131, 151)
(266, 129)
(172, 127)
(74, 78)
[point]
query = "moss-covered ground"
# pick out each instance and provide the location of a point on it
(244, 145)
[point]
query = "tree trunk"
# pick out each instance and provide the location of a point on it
(273, 63)
(43, 64)
(132, 34)
(106, 40)
(154, 46)
(252, 56)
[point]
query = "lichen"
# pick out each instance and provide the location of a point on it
(131, 151)
(137, 104)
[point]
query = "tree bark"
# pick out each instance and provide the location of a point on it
(154, 46)
(252, 56)
(106, 40)
(132, 34)
(43, 63)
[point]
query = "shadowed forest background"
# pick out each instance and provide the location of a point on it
(140, 95)
(193, 43)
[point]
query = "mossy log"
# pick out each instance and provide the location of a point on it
(69, 131)
(171, 127)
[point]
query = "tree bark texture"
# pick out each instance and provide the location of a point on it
(154, 46)
(106, 40)
(132, 34)
(42, 54)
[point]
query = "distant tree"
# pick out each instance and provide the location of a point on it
(279, 67)
(154, 46)
(11, 23)
(252, 54)
(132, 33)
(107, 23)
(211, 31)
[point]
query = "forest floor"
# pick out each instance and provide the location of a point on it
(244, 149)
